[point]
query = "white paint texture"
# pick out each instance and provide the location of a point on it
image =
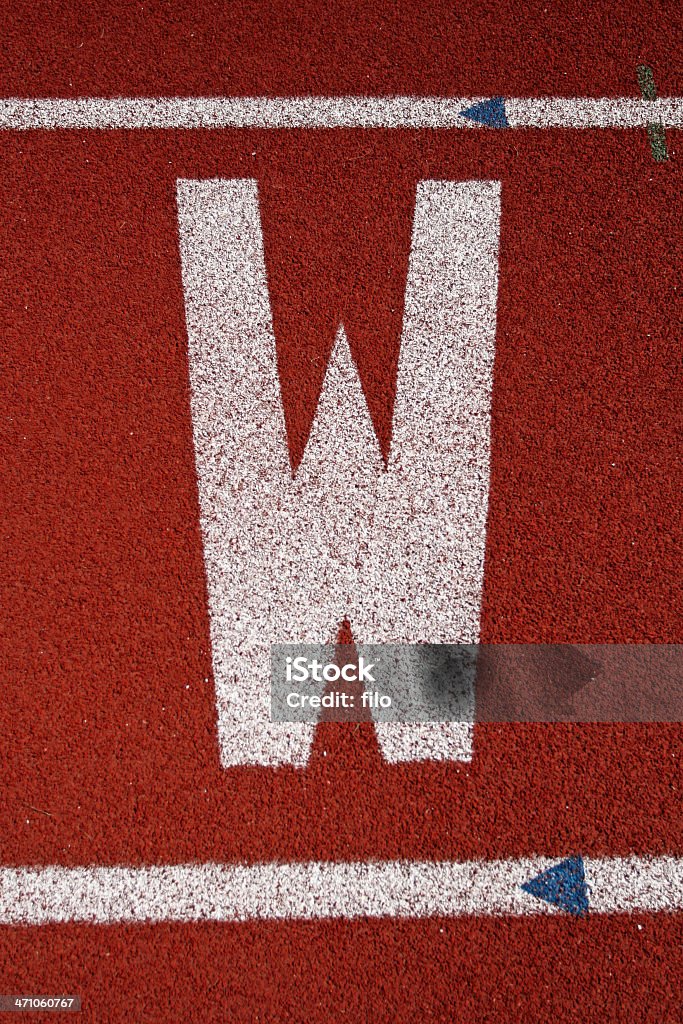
(313, 890)
(18, 114)
(400, 553)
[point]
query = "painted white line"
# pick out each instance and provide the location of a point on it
(217, 892)
(400, 553)
(331, 112)
(553, 112)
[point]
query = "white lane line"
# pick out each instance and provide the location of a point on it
(301, 891)
(331, 112)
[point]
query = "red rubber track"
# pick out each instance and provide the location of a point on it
(104, 617)
(492, 48)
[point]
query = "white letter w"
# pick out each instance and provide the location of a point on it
(399, 552)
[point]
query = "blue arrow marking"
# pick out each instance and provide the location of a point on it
(563, 885)
(490, 113)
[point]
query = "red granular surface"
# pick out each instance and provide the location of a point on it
(104, 615)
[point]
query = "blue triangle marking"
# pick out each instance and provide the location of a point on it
(563, 885)
(490, 113)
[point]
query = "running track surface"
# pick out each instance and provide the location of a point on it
(108, 746)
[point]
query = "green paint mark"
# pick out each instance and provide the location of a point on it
(646, 81)
(655, 132)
